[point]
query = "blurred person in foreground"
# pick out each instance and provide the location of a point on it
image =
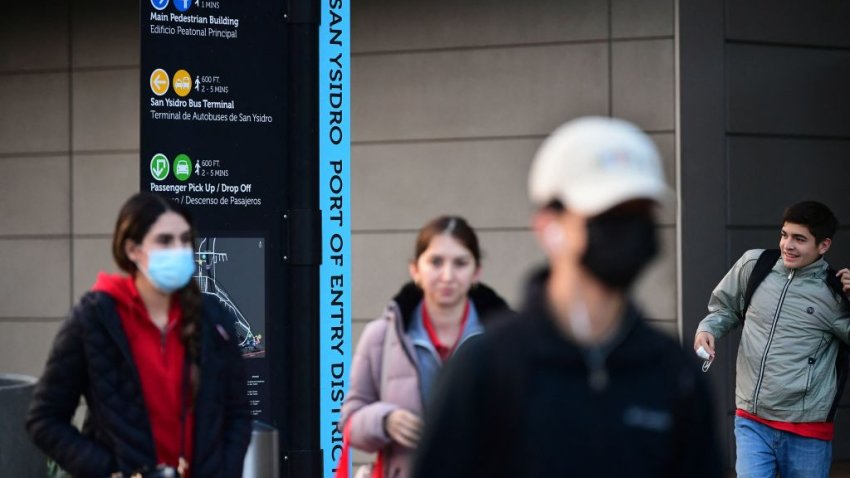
(400, 353)
(579, 385)
(157, 363)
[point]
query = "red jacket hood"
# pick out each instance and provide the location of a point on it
(122, 288)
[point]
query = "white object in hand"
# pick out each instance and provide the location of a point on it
(702, 353)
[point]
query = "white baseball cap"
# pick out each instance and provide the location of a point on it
(592, 164)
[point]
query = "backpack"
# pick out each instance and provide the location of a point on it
(764, 264)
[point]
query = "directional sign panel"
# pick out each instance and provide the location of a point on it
(213, 129)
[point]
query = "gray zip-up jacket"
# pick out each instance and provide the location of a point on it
(785, 369)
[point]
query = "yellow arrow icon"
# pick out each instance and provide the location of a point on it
(159, 82)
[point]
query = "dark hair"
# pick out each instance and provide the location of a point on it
(134, 221)
(814, 215)
(627, 208)
(455, 226)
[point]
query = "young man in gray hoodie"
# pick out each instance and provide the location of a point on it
(786, 382)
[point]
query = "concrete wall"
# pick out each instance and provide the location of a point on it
(69, 153)
(450, 101)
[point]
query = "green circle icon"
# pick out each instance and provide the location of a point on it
(182, 167)
(160, 167)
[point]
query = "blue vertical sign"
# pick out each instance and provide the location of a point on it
(335, 272)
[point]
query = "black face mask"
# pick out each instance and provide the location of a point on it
(618, 247)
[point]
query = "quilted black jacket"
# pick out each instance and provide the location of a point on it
(91, 357)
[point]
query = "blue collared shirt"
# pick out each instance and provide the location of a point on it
(428, 361)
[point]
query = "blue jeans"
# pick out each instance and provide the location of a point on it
(762, 451)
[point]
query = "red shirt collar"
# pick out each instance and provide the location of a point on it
(444, 351)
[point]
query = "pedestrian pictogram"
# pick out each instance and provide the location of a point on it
(159, 82)
(159, 167)
(159, 4)
(182, 167)
(182, 83)
(182, 5)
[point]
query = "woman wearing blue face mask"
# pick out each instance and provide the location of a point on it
(157, 364)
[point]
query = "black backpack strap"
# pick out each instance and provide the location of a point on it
(842, 361)
(764, 264)
(837, 287)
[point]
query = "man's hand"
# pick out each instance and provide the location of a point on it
(706, 341)
(844, 276)
(403, 427)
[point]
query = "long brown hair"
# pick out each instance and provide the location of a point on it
(135, 219)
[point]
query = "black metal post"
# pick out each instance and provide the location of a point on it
(302, 456)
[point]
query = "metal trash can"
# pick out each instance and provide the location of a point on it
(18, 455)
(263, 456)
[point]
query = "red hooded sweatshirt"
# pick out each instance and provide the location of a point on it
(159, 358)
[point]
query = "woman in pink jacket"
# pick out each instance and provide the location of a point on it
(400, 354)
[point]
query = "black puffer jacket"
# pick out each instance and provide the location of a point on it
(91, 357)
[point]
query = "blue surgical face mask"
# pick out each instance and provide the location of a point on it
(170, 269)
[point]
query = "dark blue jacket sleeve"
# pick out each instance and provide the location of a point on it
(450, 444)
(698, 453)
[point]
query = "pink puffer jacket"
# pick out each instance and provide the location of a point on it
(367, 403)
